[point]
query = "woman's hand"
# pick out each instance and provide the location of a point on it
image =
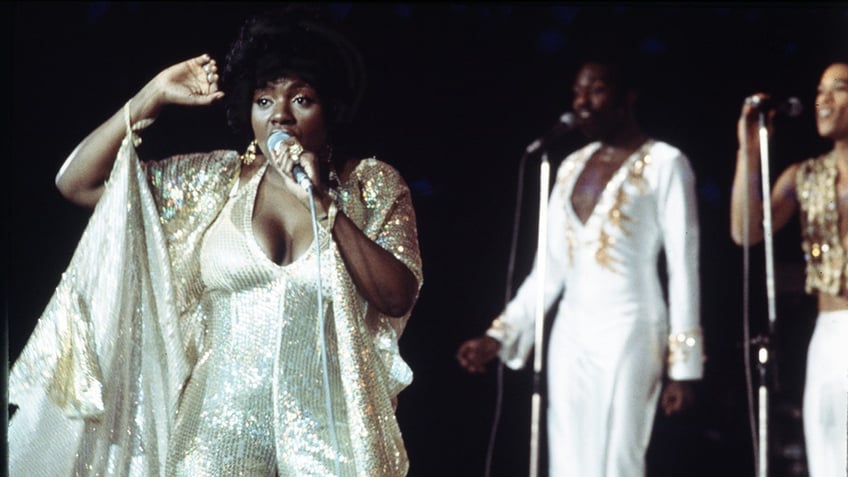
(191, 82)
(747, 127)
(746, 201)
(284, 157)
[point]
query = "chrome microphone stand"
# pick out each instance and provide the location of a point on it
(762, 342)
(538, 353)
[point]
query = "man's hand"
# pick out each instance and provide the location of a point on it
(474, 354)
(677, 397)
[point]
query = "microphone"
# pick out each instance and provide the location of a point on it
(791, 107)
(567, 122)
(300, 176)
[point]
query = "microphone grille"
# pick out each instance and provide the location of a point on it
(793, 107)
(275, 138)
(568, 118)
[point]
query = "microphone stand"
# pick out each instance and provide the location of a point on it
(762, 342)
(541, 263)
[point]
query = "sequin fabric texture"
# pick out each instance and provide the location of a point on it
(820, 240)
(152, 322)
(254, 310)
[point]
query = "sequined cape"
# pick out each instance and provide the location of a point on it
(99, 380)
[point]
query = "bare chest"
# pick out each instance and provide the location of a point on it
(590, 185)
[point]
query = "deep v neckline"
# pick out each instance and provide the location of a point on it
(251, 188)
(615, 178)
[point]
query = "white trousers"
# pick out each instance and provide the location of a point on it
(826, 397)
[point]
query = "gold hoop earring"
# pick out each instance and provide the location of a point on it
(249, 154)
(332, 175)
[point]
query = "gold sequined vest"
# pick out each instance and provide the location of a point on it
(821, 243)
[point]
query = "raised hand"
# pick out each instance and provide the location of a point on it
(748, 124)
(193, 82)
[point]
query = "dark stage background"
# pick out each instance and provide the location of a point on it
(455, 92)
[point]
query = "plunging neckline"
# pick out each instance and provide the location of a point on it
(252, 187)
(615, 178)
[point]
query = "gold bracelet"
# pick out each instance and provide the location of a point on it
(330, 219)
(133, 128)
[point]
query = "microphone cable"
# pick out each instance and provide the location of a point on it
(746, 325)
(510, 271)
(303, 179)
(328, 402)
